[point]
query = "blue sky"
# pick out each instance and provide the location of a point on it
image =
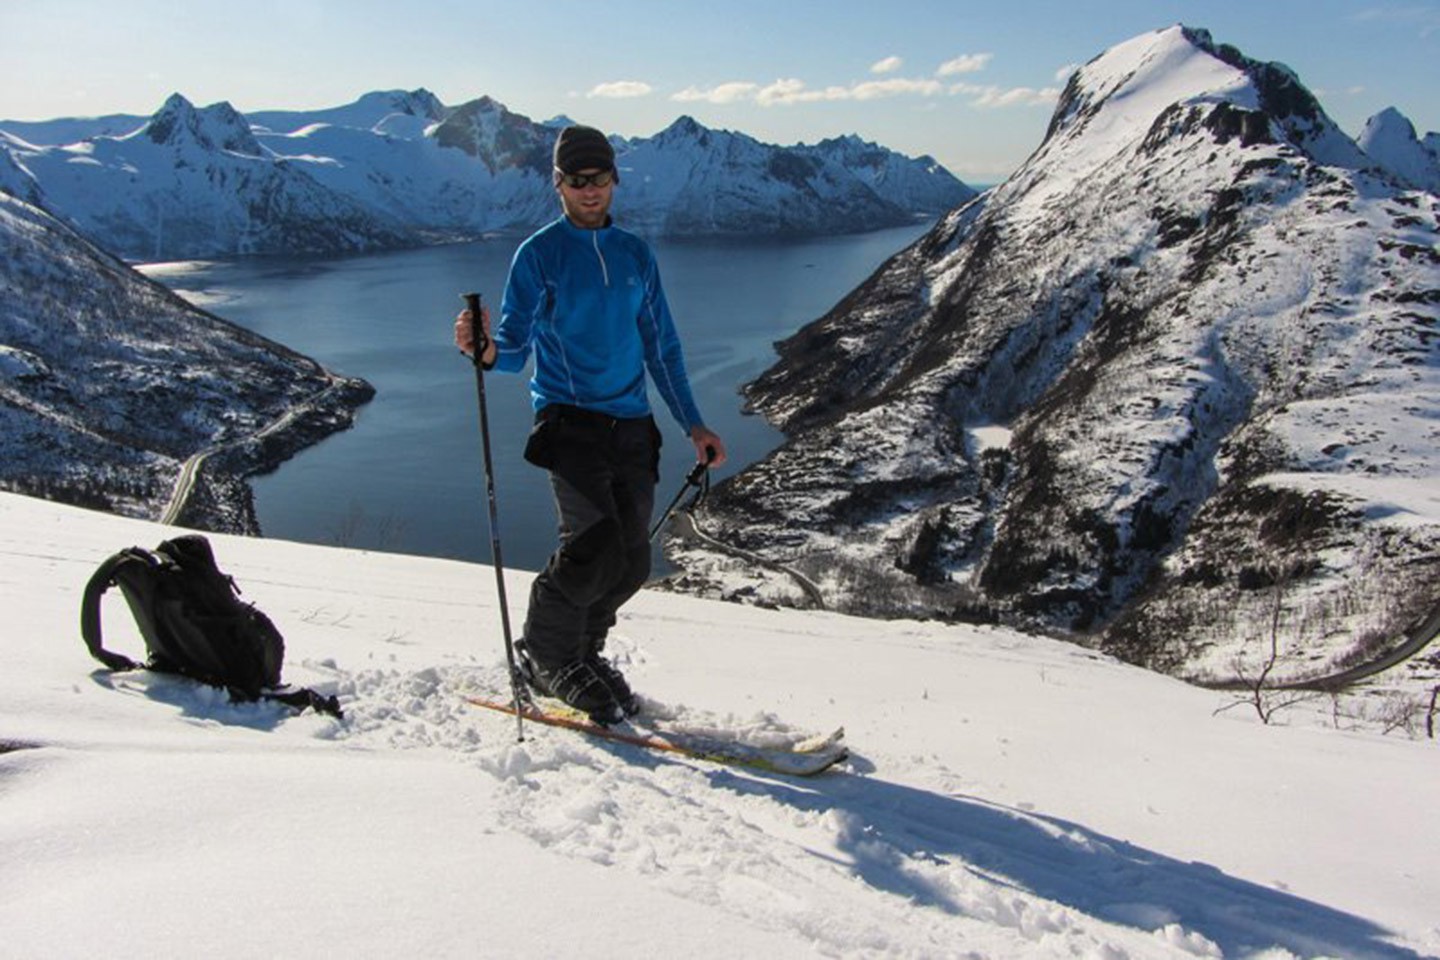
(971, 83)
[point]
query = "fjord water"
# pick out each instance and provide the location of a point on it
(409, 477)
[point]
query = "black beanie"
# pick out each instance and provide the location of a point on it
(583, 148)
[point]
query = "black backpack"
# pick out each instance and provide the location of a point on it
(194, 622)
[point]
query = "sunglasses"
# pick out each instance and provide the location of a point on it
(579, 181)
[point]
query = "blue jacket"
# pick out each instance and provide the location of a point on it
(590, 306)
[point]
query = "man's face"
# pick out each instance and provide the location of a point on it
(587, 205)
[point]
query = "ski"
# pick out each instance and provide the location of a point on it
(804, 759)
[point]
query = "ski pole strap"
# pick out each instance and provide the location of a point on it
(698, 477)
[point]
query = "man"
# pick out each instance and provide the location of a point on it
(585, 297)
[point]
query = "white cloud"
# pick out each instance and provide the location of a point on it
(1063, 74)
(788, 91)
(999, 97)
(734, 92)
(621, 90)
(888, 65)
(877, 89)
(965, 63)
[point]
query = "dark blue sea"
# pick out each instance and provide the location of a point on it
(409, 477)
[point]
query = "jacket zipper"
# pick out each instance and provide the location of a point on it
(605, 270)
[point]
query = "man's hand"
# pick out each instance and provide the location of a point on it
(465, 335)
(709, 448)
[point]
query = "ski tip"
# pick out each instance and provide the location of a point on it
(820, 741)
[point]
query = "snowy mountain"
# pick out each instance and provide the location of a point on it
(196, 183)
(110, 384)
(73, 129)
(919, 184)
(380, 111)
(1390, 140)
(1172, 389)
(1008, 796)
(690, 179)
(514, 191)
(400, 168)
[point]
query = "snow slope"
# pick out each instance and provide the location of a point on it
(1009, 795)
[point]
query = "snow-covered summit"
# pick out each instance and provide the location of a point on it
(217, 127)
(1390, 140)
(1156, 82)
(372, 111)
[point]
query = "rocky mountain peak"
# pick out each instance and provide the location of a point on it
(216, 127)
(1182, 74)
(853, 150)
(486, 129)
(685, 129)
(421, 103)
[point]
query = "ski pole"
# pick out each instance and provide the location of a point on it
(694, 478)
(472, 301)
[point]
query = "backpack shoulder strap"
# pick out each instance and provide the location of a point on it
(103, 579)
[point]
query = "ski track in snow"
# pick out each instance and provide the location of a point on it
(806, 857)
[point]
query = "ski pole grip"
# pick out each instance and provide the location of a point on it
(479, 337)
(698, 471)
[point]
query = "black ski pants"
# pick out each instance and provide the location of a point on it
(603, 472)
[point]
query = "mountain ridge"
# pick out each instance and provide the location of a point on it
(397, 168)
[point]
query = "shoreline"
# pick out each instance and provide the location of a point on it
(213, 492)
